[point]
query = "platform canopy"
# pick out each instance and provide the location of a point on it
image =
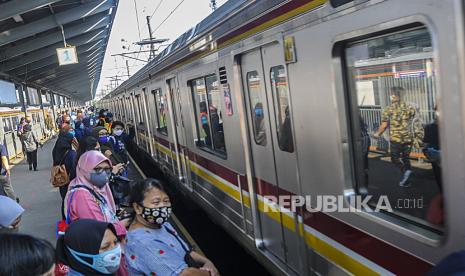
(31, 31)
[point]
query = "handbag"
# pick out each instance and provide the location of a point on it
(59, 176)
(187, 258)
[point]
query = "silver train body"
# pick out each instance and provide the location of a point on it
(268, 98)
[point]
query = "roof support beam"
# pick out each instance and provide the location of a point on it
(95, 36)
(44, 41)
(15, 7)
(53, 21)
(47, 61)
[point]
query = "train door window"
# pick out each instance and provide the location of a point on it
(256, 106)
(162, 111)
(157, 117)
(208, 113)
(139, 109)
(395, 137)
(280, 90)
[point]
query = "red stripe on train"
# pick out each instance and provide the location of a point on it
(374, 249)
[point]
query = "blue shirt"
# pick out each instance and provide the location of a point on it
(155, 252)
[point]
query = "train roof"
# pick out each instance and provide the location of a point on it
(227, 19)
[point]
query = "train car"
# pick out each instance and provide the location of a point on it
(278, 99)
(20, 101)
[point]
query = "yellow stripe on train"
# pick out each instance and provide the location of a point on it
(318, 244)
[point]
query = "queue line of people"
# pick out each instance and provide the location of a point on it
(96, 240)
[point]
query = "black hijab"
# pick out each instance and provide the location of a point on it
(83, 236)
(62, 145)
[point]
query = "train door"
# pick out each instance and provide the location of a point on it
(179, 132)
(272, 146)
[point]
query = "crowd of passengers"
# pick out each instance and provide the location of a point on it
(101, 232)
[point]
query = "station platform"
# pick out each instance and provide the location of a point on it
(42, 201)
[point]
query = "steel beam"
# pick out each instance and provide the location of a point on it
(15, 7)
(47, 61)
(92, 24)
(96, 37)
(55, 20)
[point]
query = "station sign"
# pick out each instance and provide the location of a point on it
(67, 55)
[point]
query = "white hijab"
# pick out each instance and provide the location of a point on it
(9, 211)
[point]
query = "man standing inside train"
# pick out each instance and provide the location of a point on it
(398, 117)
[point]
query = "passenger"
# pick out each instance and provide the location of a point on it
(79, 131)
(120, 140)
(31, 143)
(89, 195)
(217, 128)
(65, 153)
(101, 118)
(205, 124)
(431, 148)
(106, 147)
(260, 130)
(285, 133)
(86, 122)
(151, 230)
(398, 117)
(10, 215)
(89, 247)
(89, 143)
(26, 255)
(5, 180)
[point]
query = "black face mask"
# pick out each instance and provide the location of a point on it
(156, 216)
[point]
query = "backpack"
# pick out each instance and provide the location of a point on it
(59, 175)
(30, 144)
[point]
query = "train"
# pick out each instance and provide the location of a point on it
(19, 100)
(275, 99)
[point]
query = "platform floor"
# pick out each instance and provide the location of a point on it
(39, 198)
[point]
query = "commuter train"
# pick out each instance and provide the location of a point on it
(17, 101)
(267, 100)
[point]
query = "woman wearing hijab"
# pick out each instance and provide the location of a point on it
(90, 247)
(10, 214)
(89, 195)
(64, 152)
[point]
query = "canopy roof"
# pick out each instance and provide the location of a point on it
(32, 30)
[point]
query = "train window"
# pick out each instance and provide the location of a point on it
(162, 111)
(33, 96)
(139, 110)
(395, 137)
(256, 105)
(207, 99)
(283, 117)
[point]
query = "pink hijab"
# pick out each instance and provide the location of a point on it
(87, 162)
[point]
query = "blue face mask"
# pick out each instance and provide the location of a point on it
(82, 126)
(72, 133)
(103, 139)
(106, 262)
(99, 179)
(259, 112)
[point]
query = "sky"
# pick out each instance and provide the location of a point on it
(125, 31)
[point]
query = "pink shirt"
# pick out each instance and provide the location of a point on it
(84, 205)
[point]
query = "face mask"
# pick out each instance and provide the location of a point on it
(91, 122)
(156, 216)
(99, 179)
(118, 132)
(103, 139)
(72, 133)
(259, 112)
(106, 262)
(82, 126)
(73, 117)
